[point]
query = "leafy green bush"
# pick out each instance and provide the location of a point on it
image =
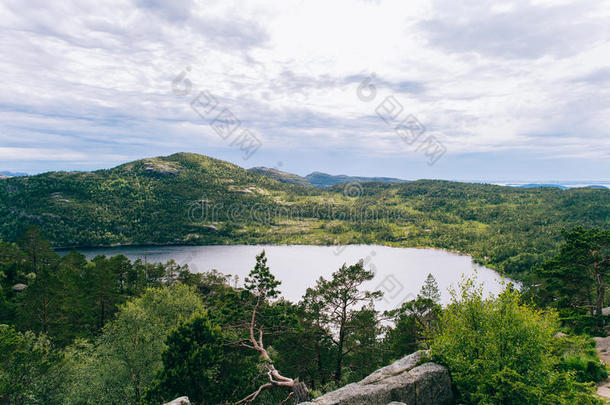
(122, 363)
(500, 351)
(28, 368)
(579, 356)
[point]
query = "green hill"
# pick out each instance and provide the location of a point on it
(320, 179)
(193, 199)
(279, 175)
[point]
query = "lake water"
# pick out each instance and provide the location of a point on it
(399, 272)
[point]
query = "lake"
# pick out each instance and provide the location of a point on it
(399, 272)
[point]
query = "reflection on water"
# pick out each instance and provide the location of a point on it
(399, 272)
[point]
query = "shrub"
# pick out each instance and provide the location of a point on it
(500, 351)
(578, 355)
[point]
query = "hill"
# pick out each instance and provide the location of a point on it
(319, 179)
(193, 199)
(279, 175)
(11, 174)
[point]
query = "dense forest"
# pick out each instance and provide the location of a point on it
(110, 331)
(192, 199)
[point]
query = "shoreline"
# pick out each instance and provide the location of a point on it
(144, 245)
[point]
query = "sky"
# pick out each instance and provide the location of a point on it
(459, 90)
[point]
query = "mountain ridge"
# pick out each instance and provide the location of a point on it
(320, 179)
(187, 198)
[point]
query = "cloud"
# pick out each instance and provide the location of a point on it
(175, 10)
(87, 80)
(515, 29)
(599, 76)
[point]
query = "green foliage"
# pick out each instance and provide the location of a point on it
(575, 281)
(402, 338)
(89, 332)
(191, 363)
(260, 281)
(198, 364)
(333, 309)
(430, 290)
(415, 322)
(29, 368)
(123, 362)
(578, 355)
(500, 351)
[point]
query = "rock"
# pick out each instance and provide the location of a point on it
(559, 335)
(402, 382)
(19, 287)
(158, 168)
(180, 401)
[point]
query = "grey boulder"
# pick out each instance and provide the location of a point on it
(403, 382)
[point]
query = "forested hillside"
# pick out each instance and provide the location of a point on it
(193, 199)
(111, 331)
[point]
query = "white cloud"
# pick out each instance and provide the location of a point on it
(482, 76)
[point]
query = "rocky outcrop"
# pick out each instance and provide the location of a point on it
(180, 401)
(403, 382)
(160, 169)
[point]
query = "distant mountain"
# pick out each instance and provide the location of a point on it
(319, 179)
(279, 175)
(11, 174)
(560, 185)
(534, 185)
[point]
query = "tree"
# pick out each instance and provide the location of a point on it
(191, 363)
(336, 299)
(430, 289)
(365, 355)
(500, 351)
(12, 264)
(39, 305)
(28, 368)
(38, 251)
(418, 319)
(316, 339)
(125, 359)
(75, 316)
(260, 282)
(402, 339)
(578, 276)
(104, 288)
(263, 285)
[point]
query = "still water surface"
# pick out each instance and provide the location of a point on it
(399, 272)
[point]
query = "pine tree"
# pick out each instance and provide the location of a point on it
(430, 289)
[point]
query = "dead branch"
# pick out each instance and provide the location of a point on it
(275, 378)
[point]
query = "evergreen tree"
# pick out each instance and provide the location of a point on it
(578, 276)
(38, 252)
(430, 289)
(336, 300)
(260, 281)
(192, 363)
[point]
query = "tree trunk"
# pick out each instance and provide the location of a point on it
(300, 391)
(599, 303)
(340, 345)
(320, 367)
